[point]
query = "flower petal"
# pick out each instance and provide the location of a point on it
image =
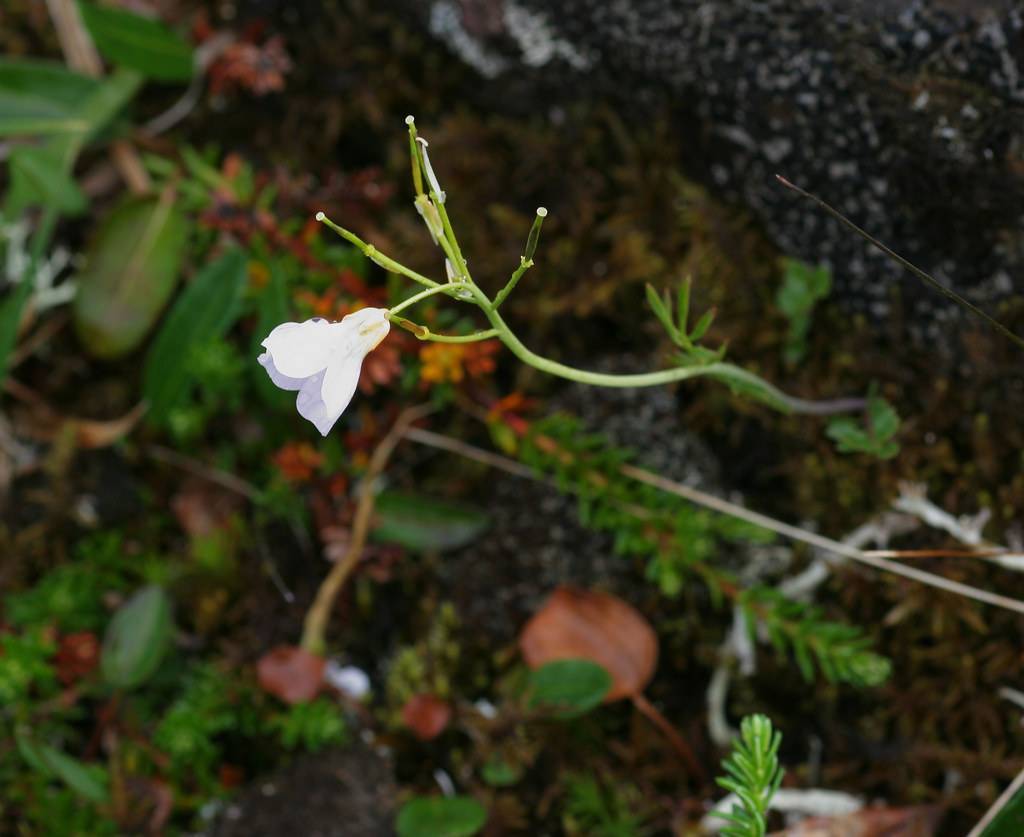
(282, 381)
(340, 382)
(302, 349)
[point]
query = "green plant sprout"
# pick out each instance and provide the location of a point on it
(753, 774)
(694, 360)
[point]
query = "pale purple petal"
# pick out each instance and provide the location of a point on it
(280, 380)
(310, 404)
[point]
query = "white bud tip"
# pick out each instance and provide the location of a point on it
(320, 216)
(542, 212)
(409, 119)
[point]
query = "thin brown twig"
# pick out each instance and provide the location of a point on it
(677, 741)
(204, 471)
(314, 629)
(701, 498)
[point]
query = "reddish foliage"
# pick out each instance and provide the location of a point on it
(77, 655)
(298, 461)
(426, 715)
(292, 674)
(202, 508)
(258, 69)
(579, 624)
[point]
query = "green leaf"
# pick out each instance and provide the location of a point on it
(138, 43)
(38, 179)
(431, 816)
(204, 311)
(498, 773)
(131, 268)
(137, 638)
(703, 324)
(272, 310)
(42, 97)
(661, 312)
(88, 781)
(569, 687)
(11, 308)
(1009, 822)
(425, 524)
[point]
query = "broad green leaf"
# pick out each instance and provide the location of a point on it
(37, 179)
(204, 311)
(138, 43)
(131, 269)
(569, 687)
(137, 638)
(425, 524)
(41, 97)
(88, 781)
(439, 816)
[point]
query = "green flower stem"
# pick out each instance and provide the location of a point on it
(374, 255)
(524, 265)
(475, 337)
(405, 303)
(727, 371)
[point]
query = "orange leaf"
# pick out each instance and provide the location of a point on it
(292, 674)
(426, 715)
(579, 624)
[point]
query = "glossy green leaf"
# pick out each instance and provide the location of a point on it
(204, 311)
(439, 816)
(137, 638)
(42, 97)
(138, 42)
(88, 781)
(38, 179)
(569, 687)
(131, 268)
(425, 524)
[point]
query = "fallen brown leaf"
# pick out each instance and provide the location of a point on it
(291, 673)
(426, 715)
(579, 624)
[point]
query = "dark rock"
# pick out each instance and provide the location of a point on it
(348, 792)
(909, 117)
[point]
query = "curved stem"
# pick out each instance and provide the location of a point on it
(314, 628)
(678, 742)
(726, 371)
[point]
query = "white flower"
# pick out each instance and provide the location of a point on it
(322, 360)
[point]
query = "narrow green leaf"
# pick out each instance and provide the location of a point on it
(703, 324)
(569, 687)
(88, 781)
(661, 312)
(434, 816)
(425, 524)
(683, 303)
(137, 638)
(138, 43)
(204, 311)
(38, 179)
(272, 310)
(131, 269)
(11, 308)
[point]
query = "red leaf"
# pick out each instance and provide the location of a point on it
(579, 624)
(426, 716)
(292, 674)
